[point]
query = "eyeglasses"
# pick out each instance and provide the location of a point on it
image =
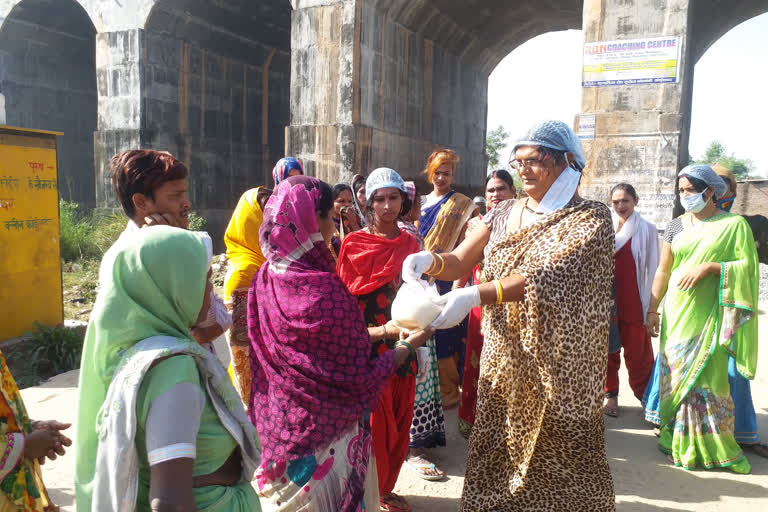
(527, 163)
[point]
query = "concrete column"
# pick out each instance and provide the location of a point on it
(368, 91)
(641, 131)
(118, 64)
(322, 132)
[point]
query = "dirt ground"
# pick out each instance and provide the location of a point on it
(643, 478)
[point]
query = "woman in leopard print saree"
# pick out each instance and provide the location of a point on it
(538, 438)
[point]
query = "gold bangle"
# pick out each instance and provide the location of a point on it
(442, 264)
(428, 271)
(499, 292)
(435, 257)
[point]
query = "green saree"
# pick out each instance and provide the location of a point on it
(152, 286)
(700, 329)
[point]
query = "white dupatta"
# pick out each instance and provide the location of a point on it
(645, 251)
(116, 478)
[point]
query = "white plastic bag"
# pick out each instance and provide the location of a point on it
(414, 307)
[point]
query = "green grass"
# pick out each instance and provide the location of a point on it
(196, 222)
(86, 235)
(49, 351)
(80, 282)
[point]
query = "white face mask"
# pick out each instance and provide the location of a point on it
(693, 203)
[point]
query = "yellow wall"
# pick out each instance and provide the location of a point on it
(30, 266)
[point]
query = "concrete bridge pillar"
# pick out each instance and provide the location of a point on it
(641, 131)
(324, 131)
(208, 83)
(118, 63)
(370, 89)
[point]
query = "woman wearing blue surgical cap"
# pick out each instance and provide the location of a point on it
(285, 168)
(709, 274)
(537, 442)
(370, 263)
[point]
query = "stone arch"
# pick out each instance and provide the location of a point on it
(712, 82)
(422, 81)
(712, 19)
(483, 31)
(48, 78)
(216, 91)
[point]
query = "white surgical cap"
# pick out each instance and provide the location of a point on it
(383, 177)
(554, 135)
(706, 174)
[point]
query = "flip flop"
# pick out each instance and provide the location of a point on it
(417, 468)
(389, 504)
(613, 412)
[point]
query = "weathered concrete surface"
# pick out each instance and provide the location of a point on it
(419, 72)
(641, 131)
(644, 480)
(47, 75)
(751, 197)
(346, 85)
(215, 89)
(208, 83)
(712, 19)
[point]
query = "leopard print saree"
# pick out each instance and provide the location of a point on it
(538, 440)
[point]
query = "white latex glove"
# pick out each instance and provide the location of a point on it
(457, 305)
(415, 265)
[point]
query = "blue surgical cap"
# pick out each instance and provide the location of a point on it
(383, 177)
(706, 174)
(554, 135)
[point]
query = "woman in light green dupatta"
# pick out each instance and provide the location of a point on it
(709, 258)
(158, 418)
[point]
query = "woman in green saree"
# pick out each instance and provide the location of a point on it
(709, 258)
(160, 426)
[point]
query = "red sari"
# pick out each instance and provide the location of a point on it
(468, 400)
(638, 351)
(370, 266)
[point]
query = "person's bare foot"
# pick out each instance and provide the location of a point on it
(611, 406)
(418, 463)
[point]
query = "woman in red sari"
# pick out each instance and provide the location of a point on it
(499, 186)
(637, 256)
(370, 262)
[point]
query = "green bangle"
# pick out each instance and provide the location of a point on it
(406, 345)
